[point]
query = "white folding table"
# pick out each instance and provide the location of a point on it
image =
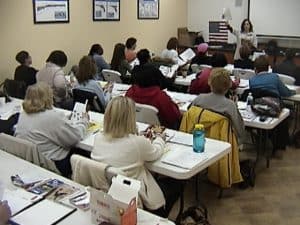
(12, 165)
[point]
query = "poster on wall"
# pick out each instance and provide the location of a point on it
(51, 11)
(148, 9)
(106, 10)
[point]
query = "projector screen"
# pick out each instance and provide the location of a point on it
(275, 17)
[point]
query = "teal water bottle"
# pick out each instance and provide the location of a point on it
(198, 138)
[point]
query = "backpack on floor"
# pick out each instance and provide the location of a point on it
(247, 168)
(195, 215)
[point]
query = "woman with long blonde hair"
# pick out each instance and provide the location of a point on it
(120, 146)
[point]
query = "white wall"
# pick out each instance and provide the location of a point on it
(200, 12)
(280, 19)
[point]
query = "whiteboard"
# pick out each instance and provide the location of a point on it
(200, 12)
(275, 17)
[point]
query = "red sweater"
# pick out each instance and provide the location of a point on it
(168, 112)
(200, 84)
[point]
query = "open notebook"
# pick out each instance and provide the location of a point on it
(19, 199)
(45, 212)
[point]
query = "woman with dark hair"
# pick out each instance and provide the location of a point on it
(146, 90)
(200, 84)
(53, 75)
(24, 72)
(119, 62)
(96, 52)
(244, 62)
(85, 77)
(288, 66)
(130, 53)
(145, 59)
(170, 53)
(245, 36)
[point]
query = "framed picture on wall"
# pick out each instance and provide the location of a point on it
(51, 11)
(148, 9)
(106, 10)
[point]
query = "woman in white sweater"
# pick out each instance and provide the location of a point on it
(121, 147)
(52, 132)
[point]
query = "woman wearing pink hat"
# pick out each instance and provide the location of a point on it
(202, 56)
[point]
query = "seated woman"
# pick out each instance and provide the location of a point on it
(170, 54)
(288, 66)
(52, 132)
(145, 59)
(121, 147)
(130, 53)
(53, 75)
(265, 83)
(85, 77)
(244, 62)
(220, 82)
(5, 212)
(200, 84)
(120, 64)
(263, 80)
(24, 72)
(146, 90)
(96, 52)
(202, 57)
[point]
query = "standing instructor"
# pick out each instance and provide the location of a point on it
(245, 36)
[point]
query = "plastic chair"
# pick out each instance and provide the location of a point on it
(147, 114)
(112, 76)
(287, 79)
(92, 173)
(94, 103)
(25, 150)
(245, 74)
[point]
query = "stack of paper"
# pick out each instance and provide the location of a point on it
(167, 71)
(187, 55)
(184, 159)
(182, 139)
(78, 111)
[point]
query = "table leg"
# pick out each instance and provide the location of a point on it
(259, 144)
(296, 105)
(268, 153)
(181, 206)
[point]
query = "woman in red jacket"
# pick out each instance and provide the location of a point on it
(200, 84)
(146, 90)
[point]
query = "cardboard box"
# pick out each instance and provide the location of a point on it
(119, 205)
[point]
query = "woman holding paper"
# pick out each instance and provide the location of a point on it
(120, 146)
(245, 36)
(52, 132)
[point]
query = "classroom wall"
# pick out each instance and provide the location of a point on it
(18, 31)
(200, 12)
